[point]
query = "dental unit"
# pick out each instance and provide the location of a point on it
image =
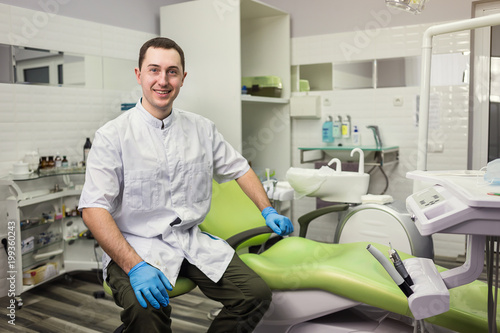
(451, 202)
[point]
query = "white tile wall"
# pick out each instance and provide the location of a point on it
(375, 107)
(58, 119)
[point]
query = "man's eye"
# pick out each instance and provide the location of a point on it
(172, 72)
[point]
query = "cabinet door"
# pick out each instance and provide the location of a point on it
(10, 262)
(209, 33)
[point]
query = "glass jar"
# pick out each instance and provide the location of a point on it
(51, 163)
(43, 162)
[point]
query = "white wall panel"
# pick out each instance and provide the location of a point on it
(4, 24)
(51, 119)
(47, 31)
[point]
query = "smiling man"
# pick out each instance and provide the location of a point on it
(148, 186)
(161, 79)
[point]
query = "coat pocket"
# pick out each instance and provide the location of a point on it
(141, 189)
(201, 181)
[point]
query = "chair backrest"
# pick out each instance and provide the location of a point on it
(232, 212)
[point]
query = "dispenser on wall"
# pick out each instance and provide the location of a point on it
(327, 130)
(346, 127)
(337, 128)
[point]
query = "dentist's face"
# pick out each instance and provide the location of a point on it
(161, 78)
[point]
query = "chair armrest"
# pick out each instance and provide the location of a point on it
(305, 219)
(239, 238)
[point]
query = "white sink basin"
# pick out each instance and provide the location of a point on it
(329, 184)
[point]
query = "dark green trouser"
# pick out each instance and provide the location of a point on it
(245, 297)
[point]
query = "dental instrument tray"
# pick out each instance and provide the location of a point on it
(266, 86)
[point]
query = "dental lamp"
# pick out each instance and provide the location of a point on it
(411, 6)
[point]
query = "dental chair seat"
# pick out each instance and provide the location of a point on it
(350, 271)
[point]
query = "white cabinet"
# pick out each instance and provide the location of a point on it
(41, 232)
(224, 41)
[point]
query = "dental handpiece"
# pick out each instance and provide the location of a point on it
(400, 267)
(398, 279)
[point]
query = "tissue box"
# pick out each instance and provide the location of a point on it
(266, 86)
(40, 274)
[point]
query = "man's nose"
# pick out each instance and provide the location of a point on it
(163, 79)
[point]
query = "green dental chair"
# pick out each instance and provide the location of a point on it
(319, 287)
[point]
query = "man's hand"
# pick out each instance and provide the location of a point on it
(151, 282)
(280, 224)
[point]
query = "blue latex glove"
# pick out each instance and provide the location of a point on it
(151, 282)
(280, 224)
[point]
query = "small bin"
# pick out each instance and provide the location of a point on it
(265, 86)
(40, 273)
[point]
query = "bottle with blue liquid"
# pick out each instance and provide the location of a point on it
(327, 130)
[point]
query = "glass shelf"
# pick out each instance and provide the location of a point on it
(364, 148)
(38, 224)
(38, 247)
(374, 157)
(47, 173)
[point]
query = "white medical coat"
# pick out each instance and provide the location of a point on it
(157, 184)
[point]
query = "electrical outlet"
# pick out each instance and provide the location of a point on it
(398, 101)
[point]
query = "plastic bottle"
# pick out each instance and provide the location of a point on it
(86, 150)
(327, 130)
(58, 161)
(337, 128)
(356, 137)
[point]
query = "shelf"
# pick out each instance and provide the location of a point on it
(51, 196)
(261, 99)
(363, 148)
(36, 225)
(381, 156)
(34, 253)
(27, 287)
(35, 175)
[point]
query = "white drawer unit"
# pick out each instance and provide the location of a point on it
(42, 233)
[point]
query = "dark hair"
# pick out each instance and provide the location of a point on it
(162, 43)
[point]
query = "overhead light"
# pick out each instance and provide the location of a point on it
(411, 6)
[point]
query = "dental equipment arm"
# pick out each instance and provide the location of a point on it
(400, 267)
(398, 279)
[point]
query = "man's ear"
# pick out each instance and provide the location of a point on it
(138, 75)
(185, 74)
